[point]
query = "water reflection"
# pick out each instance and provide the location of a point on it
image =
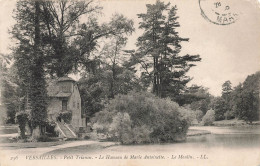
(226, 140)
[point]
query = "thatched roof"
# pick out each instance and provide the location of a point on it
(53, 89)
(65, 79)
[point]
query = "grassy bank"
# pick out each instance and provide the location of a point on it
(195, 132)
(234, 122)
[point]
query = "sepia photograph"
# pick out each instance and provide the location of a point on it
(130, 82)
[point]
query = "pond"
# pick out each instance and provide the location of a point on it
(224, 146)
(238, 146)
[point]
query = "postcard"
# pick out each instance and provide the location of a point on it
(130, 83)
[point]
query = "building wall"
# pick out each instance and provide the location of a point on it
(54, 108)
(73, 103)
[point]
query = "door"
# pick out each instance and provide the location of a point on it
(64, 105)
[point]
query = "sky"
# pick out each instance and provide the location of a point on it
(228, 52)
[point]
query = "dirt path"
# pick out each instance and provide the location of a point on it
(40, 151)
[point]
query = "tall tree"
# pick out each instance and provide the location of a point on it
(112, 56)
(245, 99)
(62, 19)
(159, 48)
(226, 90)
(38, 93)
(73, 38)
(30, 61)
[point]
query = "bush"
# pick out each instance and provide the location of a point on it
(44, 138)
(208, 118)
(229, 115)
(199, 115)
(142, 118)
(189, 115)
(66, 116)
(22, 119)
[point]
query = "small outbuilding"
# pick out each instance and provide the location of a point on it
(64, 107)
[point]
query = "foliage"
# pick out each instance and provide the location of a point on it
(92, 93)
(29, 59)
(229, 115)
(198, 97)
(248, 106)
(226, 90)
(244, 102)
(97, 88)
(141, 118)
(22, 119)
(158, 51)
(188, 114)
(118, 78)
(66, 116)
(199, 115)
(9, 95)
(208, 118)
(71, 42)
(44, 138)
(220, 107)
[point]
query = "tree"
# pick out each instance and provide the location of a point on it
(29, 61)
(62, 21)
(198, 97)
(72, 41)
(220, 107)
(92, 92)
(113, 58)
(52, 40)
(159, 48)
(226, 90)
(245, 98)
(249, 106)
(107, 73)
(8, 89)
(38, 95)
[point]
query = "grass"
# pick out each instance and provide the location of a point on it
(233, 122)
(194, 132)
(11, 129)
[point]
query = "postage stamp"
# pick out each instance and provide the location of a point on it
(220, 12)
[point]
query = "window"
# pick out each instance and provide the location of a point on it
(65, 89)
(64, 104)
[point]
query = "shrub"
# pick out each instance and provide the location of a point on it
(188, 114)
(208, 118)
(22, 119)
(142, 118)
(120, 125)
(199, 115)
(230, 115)
(66, 116)
(44, 138)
